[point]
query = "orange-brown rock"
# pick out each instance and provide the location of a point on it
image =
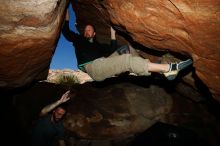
(28, 33)
(187, 27)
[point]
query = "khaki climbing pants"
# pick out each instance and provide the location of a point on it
(115, 64)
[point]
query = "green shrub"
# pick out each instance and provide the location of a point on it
(67, 80)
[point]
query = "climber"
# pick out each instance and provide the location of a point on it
(49, 128)
(101, 61)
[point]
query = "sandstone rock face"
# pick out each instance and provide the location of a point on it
(28, 33)
(187, 27)
(82, 77)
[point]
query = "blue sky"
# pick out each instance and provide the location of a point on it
(64, 56)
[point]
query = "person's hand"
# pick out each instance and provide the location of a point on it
(113, 37)
(67, 15)
(65, 97)
(112, 30)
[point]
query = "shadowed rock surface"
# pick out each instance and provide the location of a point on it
(99, 111)
(115, 109)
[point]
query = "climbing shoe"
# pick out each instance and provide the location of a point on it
(176, 67)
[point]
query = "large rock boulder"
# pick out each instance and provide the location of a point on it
(28, 34)
(108, 110)
(117, 110)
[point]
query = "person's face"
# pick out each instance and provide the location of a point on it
(89, 32)
(58, 114)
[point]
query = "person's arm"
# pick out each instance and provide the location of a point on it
(65, 97)
(68, 34)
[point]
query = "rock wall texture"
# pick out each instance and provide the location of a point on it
(118, 110)
(188, 27)
(28, 33)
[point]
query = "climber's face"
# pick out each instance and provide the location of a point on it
(89, 32)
